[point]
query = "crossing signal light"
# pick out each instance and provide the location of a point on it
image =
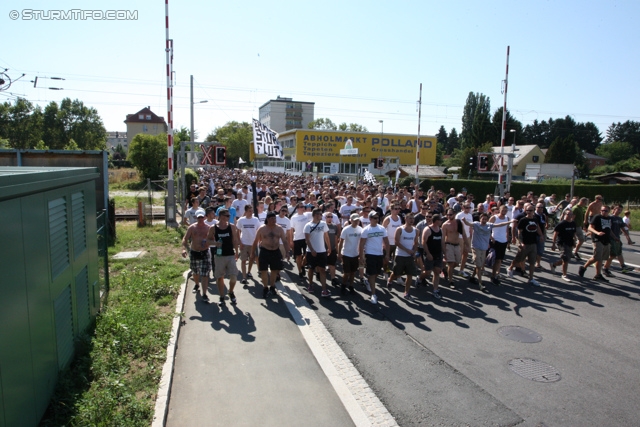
(379, 163)
(473, 162)
(483, 163)
(221, 156)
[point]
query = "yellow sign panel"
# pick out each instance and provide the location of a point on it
(325, 146)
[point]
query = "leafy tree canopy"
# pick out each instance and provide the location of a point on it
(237, 138)
(25, 125)
(628, 131)
(615, 151)
(148, 154)
(476, 121)
(328, 124)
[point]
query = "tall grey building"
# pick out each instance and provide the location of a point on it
(284, 114)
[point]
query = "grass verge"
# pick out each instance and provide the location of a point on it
(114, 378)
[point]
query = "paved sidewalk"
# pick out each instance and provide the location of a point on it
(248, 365)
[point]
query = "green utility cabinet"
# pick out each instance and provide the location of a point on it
(49, 281)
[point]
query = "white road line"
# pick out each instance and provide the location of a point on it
(359, 400)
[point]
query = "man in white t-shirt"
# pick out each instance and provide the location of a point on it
(318, 248)
(347, 209)
(247, 227)
(240, 202)
(191, 213)
(374, 248)
(298, 241)
(348, 252)
(285, 223)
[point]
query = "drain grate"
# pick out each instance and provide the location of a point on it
(534, 370)
(520, 334)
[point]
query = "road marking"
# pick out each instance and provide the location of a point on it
(359, 400)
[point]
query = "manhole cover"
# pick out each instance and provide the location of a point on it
(520, 334)
(534, 370)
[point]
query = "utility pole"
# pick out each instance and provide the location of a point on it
(418, 138)
(504, 127)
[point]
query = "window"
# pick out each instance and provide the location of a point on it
(141, 116)
(148, 116)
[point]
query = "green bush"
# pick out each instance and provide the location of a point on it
(190, 176)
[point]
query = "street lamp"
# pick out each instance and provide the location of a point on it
(191, 137)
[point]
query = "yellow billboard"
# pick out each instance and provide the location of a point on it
(325, 146)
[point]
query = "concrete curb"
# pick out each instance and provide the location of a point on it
(359, 400)
(164, 387)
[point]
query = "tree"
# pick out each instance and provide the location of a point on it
(237, 138)
(41, 146)
(148, 154)
(512, 123)
(71, 145)
(53, 132)
(23, 126)
(322, 124)
(476, 121)
(535, 134)
(443, 140)
(453, 141)
(352, 127)
(82, 124)
(628, 131)
(567, 151)
(615, 151)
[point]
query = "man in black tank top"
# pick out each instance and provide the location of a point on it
(224, 237)
(433, 243)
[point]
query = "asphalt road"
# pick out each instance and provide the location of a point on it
(443, 362)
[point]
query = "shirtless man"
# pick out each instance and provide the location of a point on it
(452, 232)
(268, 238)
(198, 253)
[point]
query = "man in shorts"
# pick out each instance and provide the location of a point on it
(268, 239)
(298, 222)
(433, 247)
(223, 236)
(374, 249)
(565, 234)
(333, 231)
(406, 239)
(348, 252)
(318, 249)
(617, 228)
(480, 245)
(528, 231)
(198, 249)
(452, 231)
(247, 227)
(601, 236)
(579, 212)
(500, 238)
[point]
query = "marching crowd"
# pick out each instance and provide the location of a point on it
(407, 235)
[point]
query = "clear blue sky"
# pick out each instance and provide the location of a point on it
(359, 61)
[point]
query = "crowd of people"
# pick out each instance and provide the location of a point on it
(365, 230)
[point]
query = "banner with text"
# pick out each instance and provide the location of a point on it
(265, 141)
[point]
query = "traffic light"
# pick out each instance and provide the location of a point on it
(483, 163)
(379, 163)
(473, 162)
(221, 156)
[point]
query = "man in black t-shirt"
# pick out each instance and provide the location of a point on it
(528, 231)
(600, 229)
(565, 234)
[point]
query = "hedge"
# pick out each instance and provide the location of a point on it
(611, 193)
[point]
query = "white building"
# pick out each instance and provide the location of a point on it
(284, 114)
